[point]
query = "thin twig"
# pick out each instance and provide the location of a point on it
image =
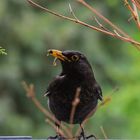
(130, 8)
(136, 13)
(137, 3)
(54, 127)
(126, 39)
(117, 33)
(100, 25)
(125, 36)
(70, 19)
(104, 133)
(133, 11)
(31, 94)
(71, 11)
(103, 18)
(74, 106)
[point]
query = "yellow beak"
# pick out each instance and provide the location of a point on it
(57, 54)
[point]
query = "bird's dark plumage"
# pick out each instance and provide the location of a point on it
(76, 73)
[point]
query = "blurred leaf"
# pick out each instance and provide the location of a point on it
(3, 51)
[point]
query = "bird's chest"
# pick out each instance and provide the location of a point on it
(66, 92)
(63, 95)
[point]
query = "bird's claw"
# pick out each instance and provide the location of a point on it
(57, 137)
(83, 137)
(91, 136)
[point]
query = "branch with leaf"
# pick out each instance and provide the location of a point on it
(114, 31)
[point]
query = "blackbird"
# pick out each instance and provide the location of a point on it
(76, 73)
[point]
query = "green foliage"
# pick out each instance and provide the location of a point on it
(28, 33)
(2, 51)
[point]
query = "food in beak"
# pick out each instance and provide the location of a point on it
(54, 62)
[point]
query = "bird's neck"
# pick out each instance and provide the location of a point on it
(79, 75)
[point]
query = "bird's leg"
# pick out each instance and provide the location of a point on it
(83, 134)
(58, 135)
(57, 130)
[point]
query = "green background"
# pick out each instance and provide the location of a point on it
(27, 33)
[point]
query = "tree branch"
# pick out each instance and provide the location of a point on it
(133, 11)
(102, 17)
(125, 38)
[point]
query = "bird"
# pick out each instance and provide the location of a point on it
(76, 74)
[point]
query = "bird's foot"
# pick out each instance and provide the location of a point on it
(91, 136)
(83, 137)
(57, 137)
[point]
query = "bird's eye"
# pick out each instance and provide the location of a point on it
(75, 58)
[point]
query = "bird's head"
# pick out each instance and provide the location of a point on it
(73, 62)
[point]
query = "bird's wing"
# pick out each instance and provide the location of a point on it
(98, 91)
(56, 82)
